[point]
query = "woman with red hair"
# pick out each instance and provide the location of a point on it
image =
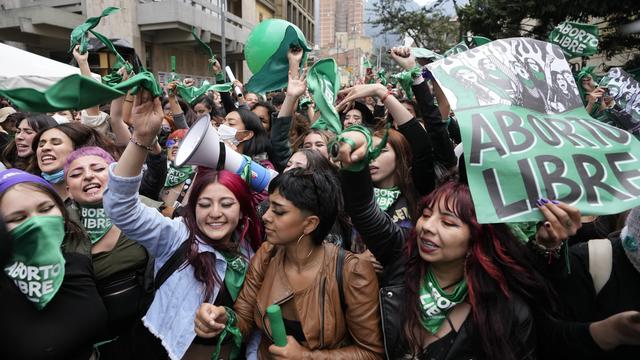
(213, 242)
(460, 289)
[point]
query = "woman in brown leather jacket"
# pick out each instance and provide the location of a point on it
(329, 313)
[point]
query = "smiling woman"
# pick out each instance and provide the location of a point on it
(19, 153)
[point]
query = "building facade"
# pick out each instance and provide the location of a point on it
(157, 29)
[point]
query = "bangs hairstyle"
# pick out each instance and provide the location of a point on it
(249, 226)
(87, 151)
(75, 238)
(497, 268)
(312, 191)
(260, 142)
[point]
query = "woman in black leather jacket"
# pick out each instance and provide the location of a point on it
(460, 289)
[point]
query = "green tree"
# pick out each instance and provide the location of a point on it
(429, 28)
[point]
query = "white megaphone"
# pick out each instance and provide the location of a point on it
(202, 146)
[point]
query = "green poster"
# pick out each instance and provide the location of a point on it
(534, 139)
(575, 39)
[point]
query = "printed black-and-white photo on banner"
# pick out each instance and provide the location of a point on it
(522, 72)
(625, 92)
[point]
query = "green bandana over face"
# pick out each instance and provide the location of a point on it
(435, 304)
(386, 197)
(95, 221)
(177, 175)
(37, 263)
(235, 274)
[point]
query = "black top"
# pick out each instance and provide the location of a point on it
(294, 328)
(65, 329)
(440, 348)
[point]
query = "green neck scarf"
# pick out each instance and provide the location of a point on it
(386, 197)
(435, 304)
(95, 221)
(37, 263)
(235, 274)
(178, 175)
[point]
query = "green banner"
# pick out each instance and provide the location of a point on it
(624, 90)
(527, 137)
(323, 83)
(575, 39)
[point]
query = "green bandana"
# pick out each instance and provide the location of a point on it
(323, 83)
(79, 34)
(231, 329)
(382, 75)
(192, 94)
(235, 274)
(114, 77)
(204, 46)
(386, 197)
(405, 79)
(37, 263)
(177, 175)
(95, 221)
(435, 304)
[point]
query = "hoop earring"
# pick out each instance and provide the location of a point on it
(298, 245)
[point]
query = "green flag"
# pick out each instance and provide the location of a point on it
(192, 94)
(466, 45)
(323, 82)
(79, 34)
(575, 39)
(266, 54)
(535, 139)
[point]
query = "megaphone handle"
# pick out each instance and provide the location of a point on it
(222, 157)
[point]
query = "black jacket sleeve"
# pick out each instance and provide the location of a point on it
(436, 128)
(422, 170)
(227, 102)
(153, 178)
(382, 236)
(280, 146)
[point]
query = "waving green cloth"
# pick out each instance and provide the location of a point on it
(382, 75)
(323, 84)
(274, 74)
(192, 94)
(405, 79)
(114, 77)
(463, 46)
(78, 92)
(425, 53)
(73, 92)
(203, 44)
(79, 34)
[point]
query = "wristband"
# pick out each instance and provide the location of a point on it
(385, 96)
(148, 148)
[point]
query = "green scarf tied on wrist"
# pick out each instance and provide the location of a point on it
(37, 263)
(178, 175)
(372, 152)
(231, 329)
(386, 197)
(405, 79)
(95, 221)
(323, 83)
(435, 304)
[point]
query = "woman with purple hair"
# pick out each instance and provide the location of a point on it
(118, 261)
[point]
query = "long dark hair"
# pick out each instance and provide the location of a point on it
(402, 173)
(37, 122)
(249, 227)
(260, 142)
(498, 267)
(75, 238)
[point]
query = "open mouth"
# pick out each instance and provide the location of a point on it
(47, 159)
(428, 246)
(92, 188)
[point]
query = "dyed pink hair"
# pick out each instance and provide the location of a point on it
(87, 151)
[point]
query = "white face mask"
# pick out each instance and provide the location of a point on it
(228, 133)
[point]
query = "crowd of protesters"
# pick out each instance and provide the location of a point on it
(369, 256)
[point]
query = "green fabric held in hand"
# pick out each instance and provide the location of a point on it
(323, 83)
(192, 94)
(203, 44)
(144, 79)
(113, 78)
(372, 152)
(266, 38)
(382, 75)
(231, 329)
(405, 79)
(79, 33)
(274, 74)
(73, 92)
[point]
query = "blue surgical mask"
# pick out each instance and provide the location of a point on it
(55, 177)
